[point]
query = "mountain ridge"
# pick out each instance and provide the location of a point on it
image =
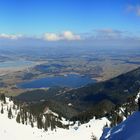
(128, 129)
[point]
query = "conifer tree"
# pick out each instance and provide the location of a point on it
(30, 117)
(18, 118)
(2, 97)
(7, 108)
(53, 124)
(39, 122)
(25, 115)
(2, 111)
(22, 119)
(46, 124)
(10, 113)
(32, 124)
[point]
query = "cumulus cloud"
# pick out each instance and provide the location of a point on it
(66, 35)
(51, 37)
(134, 8)
(96, 37)
(70, 36)
(10, 36)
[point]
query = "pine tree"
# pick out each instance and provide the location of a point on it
(48, 119)
(18, 118)
(46, 124)
(126, 112)
(2, 111)
(39, 122)
(53, 124)
(22, 120)
(10, 113)
(32, 124)
(30, 117)
(25, 114)
(7, 108)
(2, 97)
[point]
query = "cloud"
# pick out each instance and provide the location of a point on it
(108, 33)
(134, 8)
(105, 34)
(66, 35)
(98, 34)
(97, 37)
(10, 36)
(51, 37)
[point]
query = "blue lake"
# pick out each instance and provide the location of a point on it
(71, 80)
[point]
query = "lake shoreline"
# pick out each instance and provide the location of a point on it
(69, 80)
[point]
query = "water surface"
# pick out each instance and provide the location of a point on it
(71, 80)
(18, 63)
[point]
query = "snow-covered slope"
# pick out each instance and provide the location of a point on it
(127, 130)
(10, 129)
(138, 95)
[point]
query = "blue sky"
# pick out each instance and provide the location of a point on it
(56, 20)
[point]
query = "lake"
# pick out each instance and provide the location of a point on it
(71, 80)
(17, 63)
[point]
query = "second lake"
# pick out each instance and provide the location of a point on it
(71, 80)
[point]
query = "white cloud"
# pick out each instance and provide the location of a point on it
(10, 36)
(66, 35)
(70, 36)
(51, 37)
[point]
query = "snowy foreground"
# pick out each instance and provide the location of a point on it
(127, 130)
(10, 129)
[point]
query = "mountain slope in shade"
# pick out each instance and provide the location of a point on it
(127, 130)
(89, 98)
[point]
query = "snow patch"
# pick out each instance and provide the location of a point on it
(10, 129)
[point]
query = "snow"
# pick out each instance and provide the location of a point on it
(127, 130)
(48, 111)
(69, 104)
(138, 95)
(10, 129)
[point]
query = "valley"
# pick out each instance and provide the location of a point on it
(97, 64)
(78, 88)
